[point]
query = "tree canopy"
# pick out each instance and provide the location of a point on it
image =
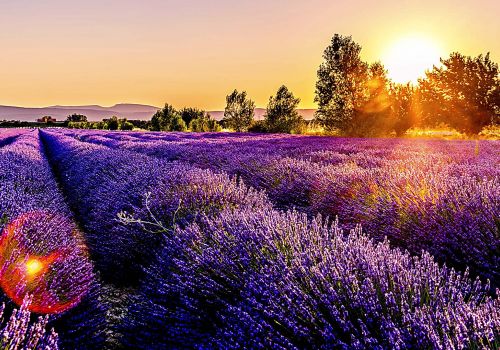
(168, 119)
(189, 113)
(341, 83)
(281, 114)
(239, 111)
(358, 99)
(402, 107)
(76, 118)
(204, 123)
(464, 93)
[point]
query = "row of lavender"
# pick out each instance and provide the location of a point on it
(9, 135)
(213, 265)
(438, 196)
(43, 255)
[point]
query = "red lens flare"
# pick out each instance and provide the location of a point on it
(43, 256)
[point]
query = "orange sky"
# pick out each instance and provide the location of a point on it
(194, 52)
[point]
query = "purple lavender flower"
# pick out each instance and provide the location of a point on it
(20, 333)
(260, 279)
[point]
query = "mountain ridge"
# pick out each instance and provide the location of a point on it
(131, 111)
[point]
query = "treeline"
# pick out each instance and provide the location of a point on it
(281, 116)
(356, 98)
(79, 121)
(166, 119)
(19, 124)
(193, 119)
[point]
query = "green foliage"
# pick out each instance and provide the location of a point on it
(281, 115)
(124, 124)
(402, 107)
(239, 111)
(87, 125)
(214, 126)
(204, 124)
(353, 97)
(358, 99)
(112, 123)
(258, 126)
(188, 114)
(372, 117)
(76, 118)
(177, 124)
(167, 119)
(76, 125)
(341, 85)
(141, 124)
(464, 93)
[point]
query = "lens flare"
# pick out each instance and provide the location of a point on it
(34, 267)
(41, 255)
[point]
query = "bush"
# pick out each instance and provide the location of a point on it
(258, 126)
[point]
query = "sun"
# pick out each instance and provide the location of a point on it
(407, 59)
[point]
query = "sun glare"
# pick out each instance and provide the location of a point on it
(407, 59)
(33, 267)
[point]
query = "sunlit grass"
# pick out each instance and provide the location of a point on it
(488, 133)
(491, 132)
(443, 132)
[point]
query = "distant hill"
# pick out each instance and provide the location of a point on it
(95, 112)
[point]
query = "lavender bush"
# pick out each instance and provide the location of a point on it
(20, 333)
(102, 184)
(441, 196)
(42, 251)
(8, 136)
(254, 279)
(192, 254)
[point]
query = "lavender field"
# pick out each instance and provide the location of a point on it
(247, 241)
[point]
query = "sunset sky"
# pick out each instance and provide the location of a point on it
(194, 52)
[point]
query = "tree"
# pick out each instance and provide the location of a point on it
(341, 85)
(112, 123)
(463, 93)
(239, 111)
(177, 124)
(124, 124)
(372, 115)
(154, 124)
(167, 119)
(76, 118)
(213, 125)
(281, 114)
(204, 124)
(188, 114)
(402, 107)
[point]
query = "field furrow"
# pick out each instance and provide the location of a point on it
(40, 242)
(8, 136)
(202, 241)
(101, 184)
(438, 196)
